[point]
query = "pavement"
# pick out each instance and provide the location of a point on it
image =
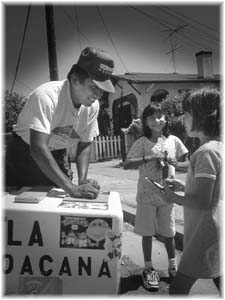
(112, 177)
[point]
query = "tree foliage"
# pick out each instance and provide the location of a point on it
(173, 108)
(13, 105)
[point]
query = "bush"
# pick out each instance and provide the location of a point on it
(173, 108)
(135, 128)
(13, 106)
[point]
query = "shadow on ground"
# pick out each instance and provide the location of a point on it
(131, 279)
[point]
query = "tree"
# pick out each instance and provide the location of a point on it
(173, 108)
(13, 106)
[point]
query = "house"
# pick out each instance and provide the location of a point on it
(134, 91)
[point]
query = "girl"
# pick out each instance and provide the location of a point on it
(201, 201)
(152, 215)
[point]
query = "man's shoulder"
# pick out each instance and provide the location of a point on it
(50, 88)
(93, 108)
(89, 112)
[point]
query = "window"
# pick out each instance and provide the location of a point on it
(159, 95)
(124, 111)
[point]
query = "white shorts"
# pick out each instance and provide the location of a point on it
(151, 219)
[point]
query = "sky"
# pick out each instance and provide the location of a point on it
(135, 34)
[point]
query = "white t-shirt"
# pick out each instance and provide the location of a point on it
(50, 110)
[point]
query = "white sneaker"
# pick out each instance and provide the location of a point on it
(150, 280)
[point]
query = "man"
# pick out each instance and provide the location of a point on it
(57, 115)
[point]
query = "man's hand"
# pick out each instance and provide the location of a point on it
(85, 190)
(93, 182)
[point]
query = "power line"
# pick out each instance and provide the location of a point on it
(209, 37)
(114, 46)
(72, 22)
(21, 48)
(174, 47)
(157, 20)
(193, 20)
(194, 42)
(26, 86)
(78, 27)
(165, 25)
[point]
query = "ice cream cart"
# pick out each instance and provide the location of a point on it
(63, 247)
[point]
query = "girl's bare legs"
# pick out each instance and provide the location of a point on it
(147, 248)
(170, 246)
(170, 249)
(149, 275)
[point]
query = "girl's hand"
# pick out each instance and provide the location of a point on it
(175, 184)
(168, 196)
(172, 161)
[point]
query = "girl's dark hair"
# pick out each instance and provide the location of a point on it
(204, 106)
(79, 72)
(150, 110)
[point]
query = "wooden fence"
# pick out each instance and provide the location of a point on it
(103, 147)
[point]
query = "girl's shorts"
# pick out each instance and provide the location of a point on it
(152, 219)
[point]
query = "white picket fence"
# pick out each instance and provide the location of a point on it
(103, 147)
(106, 147)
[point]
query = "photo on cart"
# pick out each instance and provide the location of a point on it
(40, 285)
(84, 232)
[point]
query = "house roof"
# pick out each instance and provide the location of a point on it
(164, 77)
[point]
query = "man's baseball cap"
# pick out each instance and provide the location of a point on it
(99, 66)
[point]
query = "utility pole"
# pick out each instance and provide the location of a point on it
(173, 47)
(21, 48)
(51, 41)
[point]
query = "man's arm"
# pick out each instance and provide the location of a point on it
(46, 162)
(82, 160)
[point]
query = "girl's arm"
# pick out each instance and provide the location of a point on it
(136, 155)
(200, 196)
(133, 163)
(182, 163)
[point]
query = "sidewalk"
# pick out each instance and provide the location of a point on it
(112, 177)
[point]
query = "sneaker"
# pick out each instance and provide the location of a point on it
(150, 280)
(172, 272)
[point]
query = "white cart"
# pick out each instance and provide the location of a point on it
(57, 247)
